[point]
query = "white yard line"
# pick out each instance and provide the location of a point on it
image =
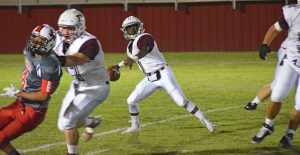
(47, 146)
(97, 152)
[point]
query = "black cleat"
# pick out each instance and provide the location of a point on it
(263, 132)
(251, 106)
(286, 141)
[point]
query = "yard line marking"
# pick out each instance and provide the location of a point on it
(43, 147)
(97, 152)
(47, 146)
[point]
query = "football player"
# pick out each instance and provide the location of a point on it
(40, 79)
(143, 50)
(82, 55)
(265, 91)
(287, 75)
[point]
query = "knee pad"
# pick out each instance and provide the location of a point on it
(278, 97)
(131, 100)
(60, 127)
(64, 124)
(179, 98)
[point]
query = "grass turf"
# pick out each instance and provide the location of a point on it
(220, 83)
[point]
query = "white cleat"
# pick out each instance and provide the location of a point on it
(209, 125)
(131, 130)
(134, 128)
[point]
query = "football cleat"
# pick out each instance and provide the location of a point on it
(209, 125)
(286, 141)
(134, 128)
(89, 130)
(263, 132)
(251, 106)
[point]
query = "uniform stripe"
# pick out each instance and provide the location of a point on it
(38, 29)
(46, 86)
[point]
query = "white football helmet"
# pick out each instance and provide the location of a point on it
(72, 18)
(42, 39)
(131, 20)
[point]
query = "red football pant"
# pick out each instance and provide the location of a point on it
(14, 122)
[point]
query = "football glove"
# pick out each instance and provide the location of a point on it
(264, 49)
(10, 91)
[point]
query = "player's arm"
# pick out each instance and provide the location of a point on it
(144, 50)
(272, 32)
(145, 44)
(87, 52)
(50, 75)
(33, 96)
(42, 95)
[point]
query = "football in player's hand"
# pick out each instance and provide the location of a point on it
(114, 74)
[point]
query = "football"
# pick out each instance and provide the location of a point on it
(114, 74)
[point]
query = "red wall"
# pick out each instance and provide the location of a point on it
(195, 27)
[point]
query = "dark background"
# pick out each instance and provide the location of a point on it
(193, 27)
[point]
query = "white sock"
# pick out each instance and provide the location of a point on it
(270, 122)
(191, 106)
(291, 131)
(199, 115)
(256, 100)
(72, 149)
(135, 119)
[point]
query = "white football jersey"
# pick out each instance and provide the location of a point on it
(153, 61)
(292, 42)
(88, 74)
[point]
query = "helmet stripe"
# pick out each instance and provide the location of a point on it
(38, 29)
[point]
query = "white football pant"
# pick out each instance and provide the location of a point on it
(79, 103)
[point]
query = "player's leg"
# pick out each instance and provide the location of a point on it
(285, 80)
(6, 116)
(65, 125)
(9, 149)
(76, 114)
(169, 83)
(20, 122)
(286, 140)
(263, 94)
(265, 91)
(141, 91)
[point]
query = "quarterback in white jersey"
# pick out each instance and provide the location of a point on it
(287, 75)
(143, 50)
(82, 55)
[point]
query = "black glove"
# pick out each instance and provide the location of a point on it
(264, 49)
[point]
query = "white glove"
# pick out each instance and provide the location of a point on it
(10, 91)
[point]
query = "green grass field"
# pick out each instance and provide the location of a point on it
(219, 83)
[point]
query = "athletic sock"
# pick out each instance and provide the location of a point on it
(72, 149)
(256, 100)
(192, 108)
(270, 122)
(290, 131)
